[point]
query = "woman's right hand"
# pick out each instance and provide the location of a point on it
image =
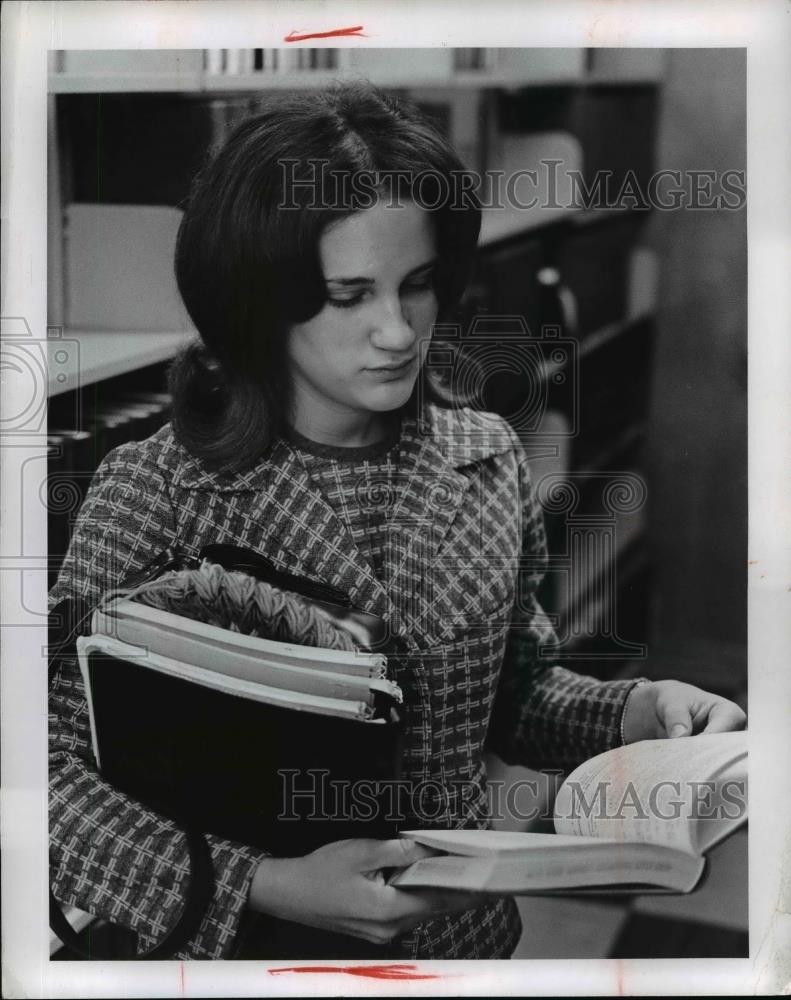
(341, 887)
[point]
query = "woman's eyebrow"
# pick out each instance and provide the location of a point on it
(370, 281)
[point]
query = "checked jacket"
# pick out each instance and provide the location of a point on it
(466, 554)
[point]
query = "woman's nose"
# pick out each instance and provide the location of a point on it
(393, 328)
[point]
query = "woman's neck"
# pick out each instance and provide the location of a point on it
(352, 432)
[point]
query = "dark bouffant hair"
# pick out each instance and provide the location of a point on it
(247, 258)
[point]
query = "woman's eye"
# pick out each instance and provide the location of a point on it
(414, 286)
(348, 302)
(420, 285)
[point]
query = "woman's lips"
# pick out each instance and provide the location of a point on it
(393, 372)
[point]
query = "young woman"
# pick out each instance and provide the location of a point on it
(315, 258)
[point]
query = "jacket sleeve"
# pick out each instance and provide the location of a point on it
(545, 716)
(109, 855)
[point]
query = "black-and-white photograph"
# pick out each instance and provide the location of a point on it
(393, 457)
(432, 405)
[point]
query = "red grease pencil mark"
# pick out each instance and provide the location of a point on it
(620, 977)
(371, 971)
(355, 32)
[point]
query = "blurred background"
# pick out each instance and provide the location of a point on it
(618, 300)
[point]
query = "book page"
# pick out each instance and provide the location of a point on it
(684, 793)
(726, 809)
(488, 843)
(545, 865)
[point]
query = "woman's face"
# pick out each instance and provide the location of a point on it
(361, 354)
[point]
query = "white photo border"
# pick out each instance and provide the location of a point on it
(763, 27)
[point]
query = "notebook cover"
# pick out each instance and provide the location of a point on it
(283, 780)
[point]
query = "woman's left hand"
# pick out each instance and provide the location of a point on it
(671, 709)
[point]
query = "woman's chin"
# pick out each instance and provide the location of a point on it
(391, 395)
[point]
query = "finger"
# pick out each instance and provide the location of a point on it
(404, 907)
(396, 853)
(724, 717)
(676, 718)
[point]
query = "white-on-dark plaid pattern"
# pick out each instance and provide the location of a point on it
(466, 513)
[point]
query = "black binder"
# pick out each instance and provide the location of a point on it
(226, 762)
(280, 779)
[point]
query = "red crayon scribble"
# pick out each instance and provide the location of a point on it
(371, 971)
(355, 32)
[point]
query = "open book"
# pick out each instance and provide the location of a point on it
(635, 819)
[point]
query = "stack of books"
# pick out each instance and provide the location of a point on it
(265, 742)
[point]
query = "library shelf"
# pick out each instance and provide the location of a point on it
(82, 357)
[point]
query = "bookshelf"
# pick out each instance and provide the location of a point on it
(220, 71)
(588, 468)
(88, 356)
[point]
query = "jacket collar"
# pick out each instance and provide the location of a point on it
(434, 450)
(452, 438)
